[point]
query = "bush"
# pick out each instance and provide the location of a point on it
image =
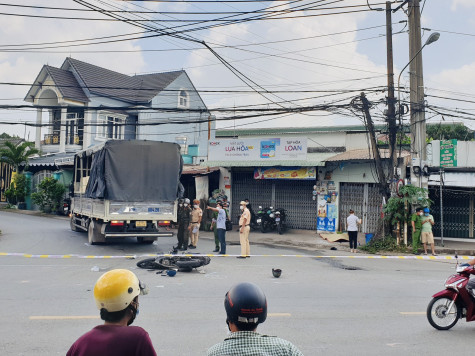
(18, 190)
(49, 195)
(387, 244)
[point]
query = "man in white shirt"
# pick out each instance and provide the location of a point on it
(352, 222)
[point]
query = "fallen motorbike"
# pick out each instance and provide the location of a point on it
(454, 302)
(174, 262)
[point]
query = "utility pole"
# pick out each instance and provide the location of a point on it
(391, 114)
(417, 109)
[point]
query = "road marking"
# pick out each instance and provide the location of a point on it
(280, 314)
(63, 317)
(412, 313)
(131, 257)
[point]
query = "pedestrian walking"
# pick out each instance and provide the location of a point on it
(427, 236)
(244, 228)
(352, 222)
(416, 229)
(220, 225)
(196, 216)
(183, 225)
(246, 308)
(116, 293)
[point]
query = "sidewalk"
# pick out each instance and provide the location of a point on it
(302, 239)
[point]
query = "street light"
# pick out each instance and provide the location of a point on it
(432, 38)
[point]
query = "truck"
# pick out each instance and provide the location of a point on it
(126, 188)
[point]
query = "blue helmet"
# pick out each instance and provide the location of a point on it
(426, 210)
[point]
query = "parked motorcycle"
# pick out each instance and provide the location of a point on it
(280, 220)
(454, 302)
(174, 262)
(270, 219)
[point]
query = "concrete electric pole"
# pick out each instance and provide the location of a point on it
(417, 109)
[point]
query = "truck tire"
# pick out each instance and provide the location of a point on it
(72, 225)
(94, 235)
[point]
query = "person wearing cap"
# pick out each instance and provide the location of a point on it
(196, 216)
(246, 308)
(427, 236)
(416, 224)
(116, 293)
(244, 228)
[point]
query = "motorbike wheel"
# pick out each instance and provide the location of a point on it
(264, 227)
(439, 316)
(167, 263)
(148, 263)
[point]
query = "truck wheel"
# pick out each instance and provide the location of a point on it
(145, 240)
(94, 235)
(72, 225)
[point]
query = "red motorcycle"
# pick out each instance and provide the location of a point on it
(454, 302)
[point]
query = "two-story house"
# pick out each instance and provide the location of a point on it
(80, 105)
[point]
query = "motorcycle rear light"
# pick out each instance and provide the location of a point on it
(164, 223)
(117, 223)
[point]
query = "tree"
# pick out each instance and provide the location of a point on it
(448, 132)
(5, 135)
(18, 190)
(15, 155)
(49, 194)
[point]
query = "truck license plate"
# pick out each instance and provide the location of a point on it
(141, 224)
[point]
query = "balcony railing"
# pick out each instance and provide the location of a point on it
(52, 139)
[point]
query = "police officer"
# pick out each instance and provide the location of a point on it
(183, 225)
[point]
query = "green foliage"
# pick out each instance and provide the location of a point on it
(15, 155)
(387, 244)
(49, 194)
(449, 132)
(5, 135)
(398, 209)
(18, 190)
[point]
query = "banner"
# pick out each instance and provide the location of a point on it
(448, 153)
(256, 149)
(285, 173)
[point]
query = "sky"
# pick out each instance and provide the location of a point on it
(318, 57)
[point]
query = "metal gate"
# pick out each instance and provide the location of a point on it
(365, 200)
(458, 212)
(293, 196)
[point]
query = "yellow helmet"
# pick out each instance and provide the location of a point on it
(116, 289)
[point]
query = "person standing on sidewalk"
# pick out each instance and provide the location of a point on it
(426, 231)
(220, 225)
(196, 216)
(214, 227)
(244, 228)
(416, 229)
(352, 222)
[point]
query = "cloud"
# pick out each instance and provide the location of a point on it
(462, 3)
(316, 63)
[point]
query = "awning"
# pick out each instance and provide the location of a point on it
(313, 160)
(453, 179)
(197, 169)
(59, 159)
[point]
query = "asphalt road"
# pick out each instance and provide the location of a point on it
(333, 306)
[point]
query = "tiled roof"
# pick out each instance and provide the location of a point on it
(132, 89)
(67, 84)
